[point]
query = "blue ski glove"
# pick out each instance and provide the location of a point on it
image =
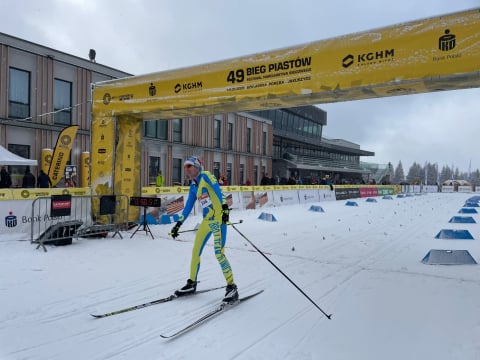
(225, 214)
(174, 232)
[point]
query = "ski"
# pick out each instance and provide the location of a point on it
(150, 303)
(209, 315)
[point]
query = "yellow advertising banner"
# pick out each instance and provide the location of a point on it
(6, 194)
(61, 153)
(85, 169)
(439, 53)
(127, 158)
(46, 160)
(152, 190)
(102, 155)
(23, 194)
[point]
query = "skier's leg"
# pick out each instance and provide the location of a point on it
(201, 238)
(219, 236)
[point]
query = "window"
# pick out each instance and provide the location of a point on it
(153, 169)
(150, 128)
(230, 136)
(177, 172)
(242, 174)
(19, 94)
(156, 129)
(229, 174)
(216, 169)
(264, 143)
(255, 175)
(217, 134)
(177, 130)
(249, 139)
(162, 129)
(62, 102)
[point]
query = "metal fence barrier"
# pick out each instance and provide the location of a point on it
(110, 215)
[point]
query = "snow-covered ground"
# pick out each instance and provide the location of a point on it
(362, 264)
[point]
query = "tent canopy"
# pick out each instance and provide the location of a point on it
(8, 158)
(456, 182)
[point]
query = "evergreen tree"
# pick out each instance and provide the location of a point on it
(445, 174)
(399, 175)
(475, 177)
(432, 174)
(416, 174)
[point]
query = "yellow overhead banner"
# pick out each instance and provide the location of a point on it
(439, 53)
(61, 153)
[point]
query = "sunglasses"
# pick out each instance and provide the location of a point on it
(188, 166)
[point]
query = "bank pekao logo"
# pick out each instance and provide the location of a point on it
(152, 90)
(10, 220)
(25, 194)
(106, 99)
(447, 41)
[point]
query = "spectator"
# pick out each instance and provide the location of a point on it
(70, 182)
(160, 180)
(43, 180)
(28, 180)
(222, 180)
(5, 179)
(265, 180)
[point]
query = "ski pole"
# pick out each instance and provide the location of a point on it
(281, 272)
(184, 231)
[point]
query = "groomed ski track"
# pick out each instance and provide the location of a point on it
(362, 264)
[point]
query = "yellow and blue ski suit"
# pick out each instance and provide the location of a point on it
(206, 190)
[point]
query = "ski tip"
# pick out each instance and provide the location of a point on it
(96, 316)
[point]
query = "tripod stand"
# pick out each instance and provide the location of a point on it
(144, 224)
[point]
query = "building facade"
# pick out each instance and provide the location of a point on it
(43, 90)
(301, 152)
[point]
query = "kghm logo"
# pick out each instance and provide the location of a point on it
(446, 42)
(10, 220)
(188, 87)
(373, 57)
(347, 61)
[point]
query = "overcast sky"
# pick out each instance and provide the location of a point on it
(154, 35)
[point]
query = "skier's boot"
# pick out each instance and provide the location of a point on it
(231, 294)
(189, 289)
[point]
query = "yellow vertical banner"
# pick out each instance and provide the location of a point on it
(128, 158)
(85, 169)
(102, 156)
(46, 160)
(61, 153)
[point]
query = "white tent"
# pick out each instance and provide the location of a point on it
(8, 158)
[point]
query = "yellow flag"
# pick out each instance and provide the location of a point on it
(61, 153)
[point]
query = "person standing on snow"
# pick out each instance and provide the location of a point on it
(205, 188)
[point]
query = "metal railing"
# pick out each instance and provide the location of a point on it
(87, 219)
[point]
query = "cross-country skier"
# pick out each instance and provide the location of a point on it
(205, 188)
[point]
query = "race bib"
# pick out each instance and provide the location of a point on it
(205, 200)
